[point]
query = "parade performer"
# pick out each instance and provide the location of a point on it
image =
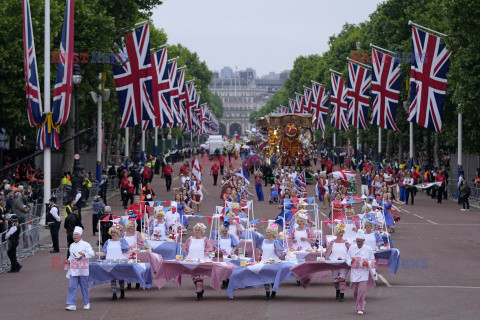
(78, 271)
(159, 227)
(372, 238)
(134, 240)
(387, 206)
(337, 250)
(338, 208)
(271, 249)
(226, 242)
(258, 184)
(198, 248)
(301, 238)
(115, 249)
(360, 257)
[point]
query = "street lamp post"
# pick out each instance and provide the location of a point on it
(77, 177)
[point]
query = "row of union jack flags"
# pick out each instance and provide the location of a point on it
(48, 123)
(152, 90)
(380, 86)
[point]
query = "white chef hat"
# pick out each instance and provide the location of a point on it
(78, 230)
(360, 234)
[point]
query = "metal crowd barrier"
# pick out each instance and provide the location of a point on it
(29, 242)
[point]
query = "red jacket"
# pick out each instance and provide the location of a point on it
(215, 169)
(147, 173)
(167, 171)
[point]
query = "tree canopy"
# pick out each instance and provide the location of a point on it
(388, 27)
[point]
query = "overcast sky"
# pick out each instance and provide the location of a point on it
(266, 35)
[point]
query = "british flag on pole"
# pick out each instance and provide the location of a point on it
(172, 74)
(339, 103)
(386, 81)
(358, 95)
(320, 104)
(308, 94)
(133, 80)
(293, 105)
(189, 101)
(300, 103)
(428, 79)
(32, 84)
(181, 97)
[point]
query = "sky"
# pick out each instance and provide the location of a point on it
(266, 35)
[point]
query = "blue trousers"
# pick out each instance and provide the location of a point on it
(319, 195)
(403, 194)
(258, 188)
(75, 283)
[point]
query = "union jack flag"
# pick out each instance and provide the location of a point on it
(133, 79)
(189, 101)
(293, 106)
(172, 75)
(307, 108)
(284, 110)
(358, 95)
(62, 92)
(181, 97)
(428, 79)
(301, 181)
(386, 81)
(320, 104)
(300, 103)
(162, 90)
(339, 104)
(32, 84)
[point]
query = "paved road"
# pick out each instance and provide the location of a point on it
(438, 280)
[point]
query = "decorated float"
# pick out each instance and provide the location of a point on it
(288, 136)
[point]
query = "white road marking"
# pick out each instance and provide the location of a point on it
(385, 281)
(406, 211)
(416, 215)
(446, 287)
(432, 222)
(323, 214)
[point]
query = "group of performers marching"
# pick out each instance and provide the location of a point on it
(298, 230)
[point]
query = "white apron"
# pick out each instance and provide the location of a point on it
(226, 245)
(114, 251)
(196, 250)
(159, 228)
(370, 240)
(339, 250)
(301, 245)
(232, 229)
(268, 251)
(131, 240)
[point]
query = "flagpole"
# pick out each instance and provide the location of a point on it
(358, 146)
(156, 141)
(381, 49)
(142, 156)
(459, 142)
(47, 155)
(99, 128)
(126, 147)
(411, 23)
(359, 63)
(411, 144)
(379, 147)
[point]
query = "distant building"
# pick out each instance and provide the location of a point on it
(243, 93)
(226, 73)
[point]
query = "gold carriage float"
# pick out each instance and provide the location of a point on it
(289, 136)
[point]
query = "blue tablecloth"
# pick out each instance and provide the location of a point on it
(259, 274)
(104, 272)
(387, 239)
(168, 250)
(393, 257)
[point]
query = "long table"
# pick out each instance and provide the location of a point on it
(104, 272)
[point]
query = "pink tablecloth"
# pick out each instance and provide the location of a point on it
(154, 259)
(310, 270)
(175, 270)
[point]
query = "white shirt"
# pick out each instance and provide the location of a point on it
(79, 267)
(360, 272)
(11, 231)
(54, 213)
(78, 196)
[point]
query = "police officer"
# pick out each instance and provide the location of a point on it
(53, 221)
(13, 236)
(72, 221)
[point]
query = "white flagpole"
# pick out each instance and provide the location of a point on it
(459, 142)
(47, 155)
(156, 141)
(143, 156)
(411, 144)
